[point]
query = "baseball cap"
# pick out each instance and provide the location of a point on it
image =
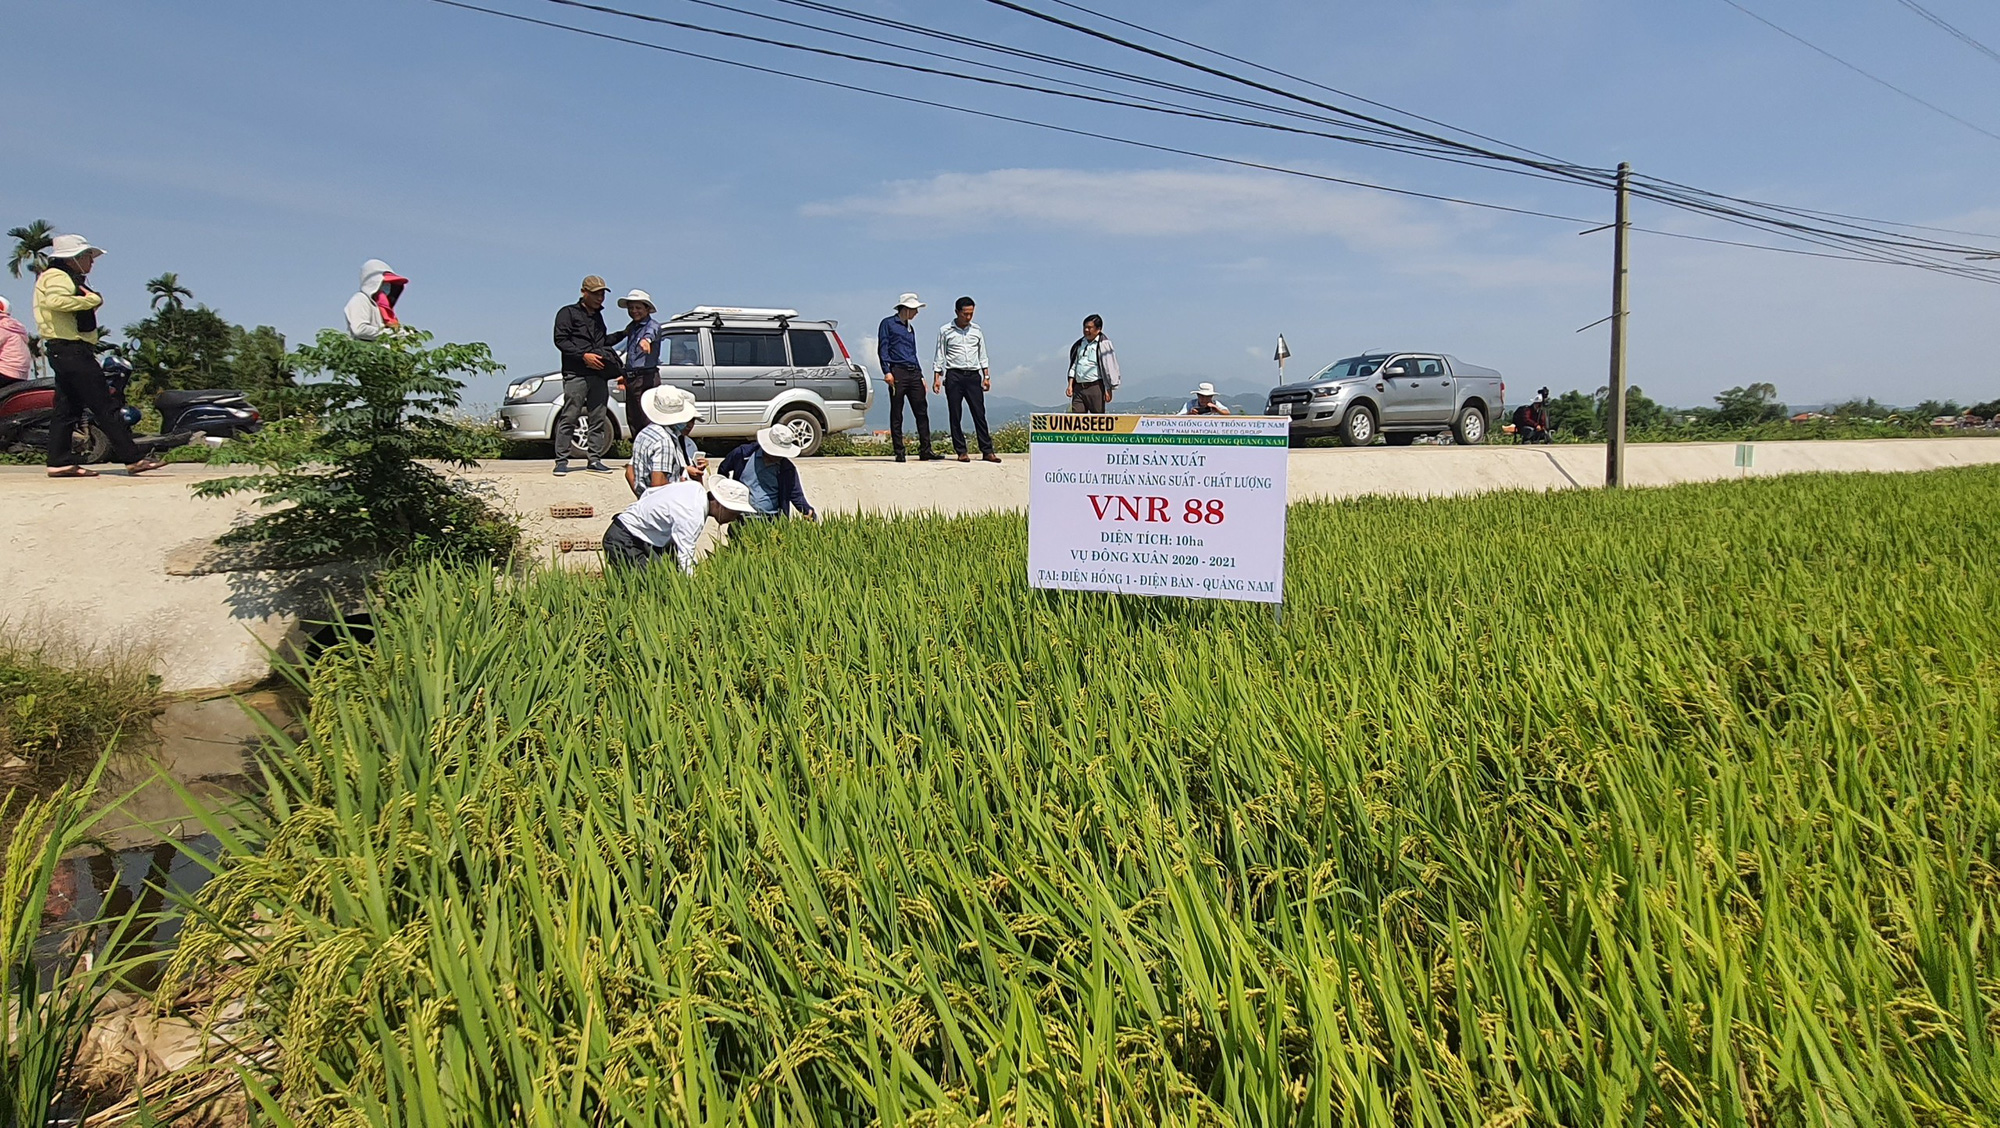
(593, 284)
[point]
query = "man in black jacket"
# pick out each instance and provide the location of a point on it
(589, 364)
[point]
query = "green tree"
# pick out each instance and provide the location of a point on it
(258, 363)
(1575, 414)
(357, 487)
(30, 243)
(1641, 412)
(1931, 409)
(1749, 405)
(1859, 409)
(168, 292)
(180, 347)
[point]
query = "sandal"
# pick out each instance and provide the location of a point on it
(73, 472)
(143, 465)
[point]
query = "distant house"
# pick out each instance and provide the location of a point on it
(1807, 417)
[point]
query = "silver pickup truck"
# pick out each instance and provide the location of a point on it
(1396, 395)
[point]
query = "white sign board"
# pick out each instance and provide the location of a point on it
(1189, 505)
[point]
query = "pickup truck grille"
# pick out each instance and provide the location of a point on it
(1290, 397)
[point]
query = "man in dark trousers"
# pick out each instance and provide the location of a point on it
(896, 349)
(589, 364)
(1093, 370)
(640, 341)
(963, 373)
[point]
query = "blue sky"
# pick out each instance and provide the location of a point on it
(263, 150)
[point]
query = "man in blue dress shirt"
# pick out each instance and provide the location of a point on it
(903, 371)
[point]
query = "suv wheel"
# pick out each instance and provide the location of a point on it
(1358, 429)
(601, 439)
(809, 419)
(1471, 427)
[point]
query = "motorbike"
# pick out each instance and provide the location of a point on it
(27, 407)
(219, 413)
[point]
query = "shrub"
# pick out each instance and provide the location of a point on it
(350, 485)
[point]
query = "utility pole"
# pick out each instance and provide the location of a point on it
(1614, 403)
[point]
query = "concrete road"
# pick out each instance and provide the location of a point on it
(88, 562)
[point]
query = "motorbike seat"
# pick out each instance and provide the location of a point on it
(169, 401)
(11, 388)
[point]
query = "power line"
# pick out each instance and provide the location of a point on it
(1879, 81)
(992, 115)
(1857, 248)
(1961, 36)
(1108, 18)
(1110, 97)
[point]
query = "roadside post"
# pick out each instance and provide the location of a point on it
(1745, 455)
(1187, 505)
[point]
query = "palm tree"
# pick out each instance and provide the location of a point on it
(167, 292)
(29, 244)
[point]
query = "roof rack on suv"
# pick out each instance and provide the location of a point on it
(716, 314)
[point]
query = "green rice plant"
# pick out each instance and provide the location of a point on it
(1652, 807)
(49, 982)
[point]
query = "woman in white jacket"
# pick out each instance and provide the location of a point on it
(372, 312)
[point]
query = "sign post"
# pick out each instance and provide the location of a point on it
(1187, 505)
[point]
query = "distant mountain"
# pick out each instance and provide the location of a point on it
(1002, 410)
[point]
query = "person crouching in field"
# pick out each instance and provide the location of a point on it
(766, 467)
(669, 520)
(664, 451)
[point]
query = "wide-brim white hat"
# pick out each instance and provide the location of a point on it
(637, 296)
(731, 493)
(71, 246)
(668, 406)
(1204, 389)
(781, 440)
(909, 301)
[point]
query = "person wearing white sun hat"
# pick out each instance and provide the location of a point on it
(766, 467)
(66, 313)
(1203, 402)
(640, 344)
(664, 452)
(903, 371)
(670, 519)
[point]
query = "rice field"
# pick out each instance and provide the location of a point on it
(1662, 807)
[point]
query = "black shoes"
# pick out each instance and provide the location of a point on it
(929, 456)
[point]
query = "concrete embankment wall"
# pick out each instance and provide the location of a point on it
(92, 562)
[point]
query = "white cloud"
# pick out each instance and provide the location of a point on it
(1154, 203)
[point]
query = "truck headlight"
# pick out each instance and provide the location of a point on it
(1325, 393)
(525, 388)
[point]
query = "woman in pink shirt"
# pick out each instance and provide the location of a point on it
(15, 363)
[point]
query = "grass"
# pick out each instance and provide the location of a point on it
(47, 991)
(1655, 807)
(61, 708)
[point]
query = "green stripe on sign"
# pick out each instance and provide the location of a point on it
(1160, 440)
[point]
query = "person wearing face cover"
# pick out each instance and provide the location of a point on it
(371, 313)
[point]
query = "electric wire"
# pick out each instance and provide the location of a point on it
(1858, 248)
(1241, 61)
(1962, 36)
(996, 116)
(1879, 81)
(1104, 96)
(1709, 204)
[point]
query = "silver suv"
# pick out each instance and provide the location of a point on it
(1396, 395)
(747, 369)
